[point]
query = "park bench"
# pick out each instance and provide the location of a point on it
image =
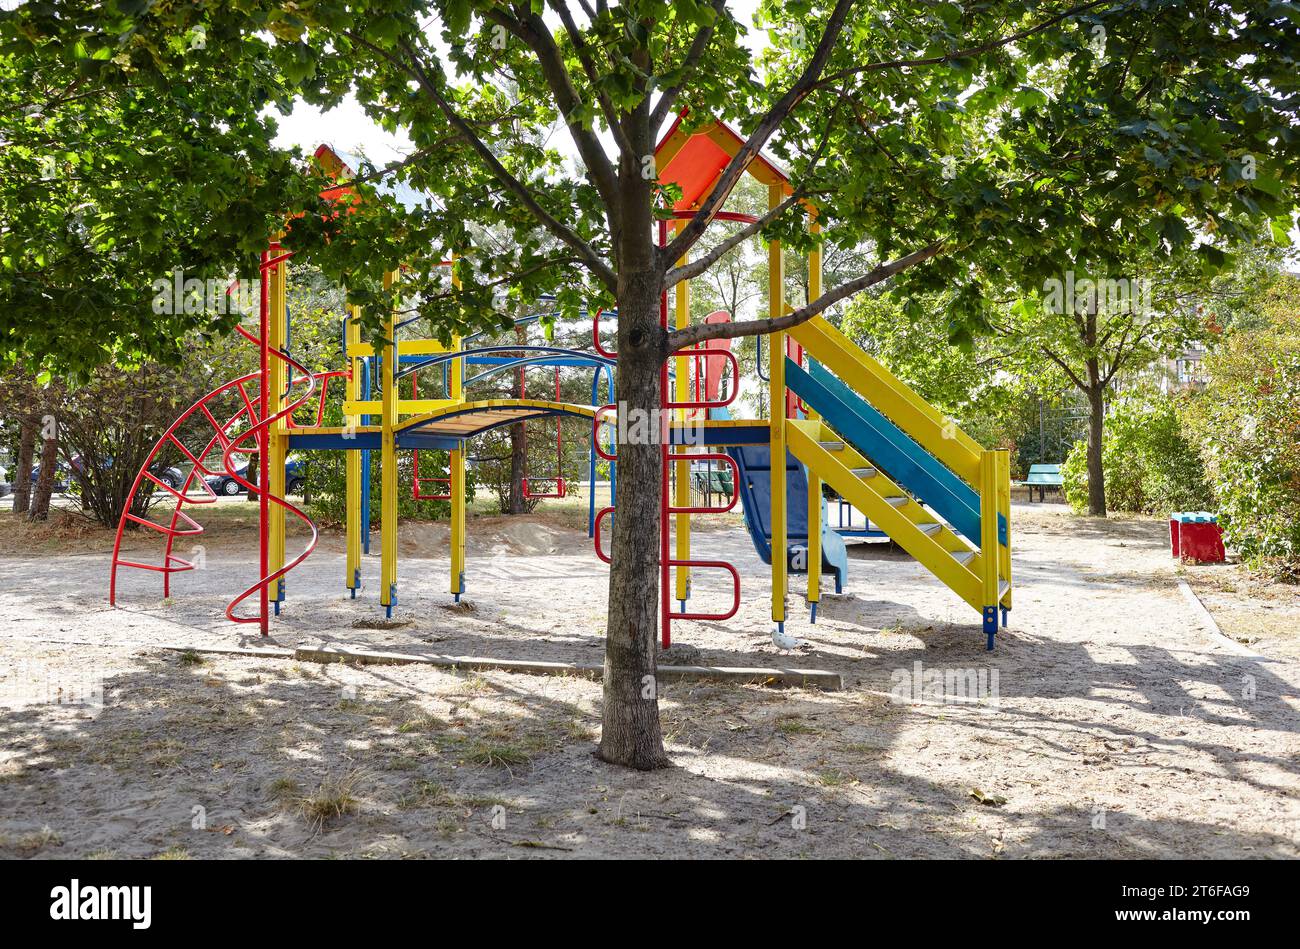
(1042, 477)
(712, 482)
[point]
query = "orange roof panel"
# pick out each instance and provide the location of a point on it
(694, 160)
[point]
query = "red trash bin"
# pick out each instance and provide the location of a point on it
(1196, 535)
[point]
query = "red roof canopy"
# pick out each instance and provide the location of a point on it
(694, 160)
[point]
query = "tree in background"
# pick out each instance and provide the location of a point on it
(1093, 326)
(995, 401)
(109, 424)
(32, 400)
(1151, 464)
(978, 150)
(23, 460)
(19, 398)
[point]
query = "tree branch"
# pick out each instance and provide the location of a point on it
(766, 127)
(1061, 362)
(698, 333)
(589, 67)
(1119, 356)
(415, 70)
(692, 60)
(962, 53)
(537, 37)
(697, 267)
(870, 133)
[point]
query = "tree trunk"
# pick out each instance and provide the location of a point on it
(23, 471)
(518, 468)
(631, 733)
(44, 489)
(1095, 391)
(250, 474)
(518, 446)
(1096, 473)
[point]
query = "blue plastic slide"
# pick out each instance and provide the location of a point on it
(755, 470)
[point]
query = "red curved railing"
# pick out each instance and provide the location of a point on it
(259, 432)
(417, 479)
(230, 444)
(324, 379)
(182, 524)
(171, 563)
(561, 487)
(595, 337)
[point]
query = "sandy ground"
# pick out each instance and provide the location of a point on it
(1119, 727)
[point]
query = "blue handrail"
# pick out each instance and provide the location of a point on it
(591, 455)
(465, 353)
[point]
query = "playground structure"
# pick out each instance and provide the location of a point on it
(838, 418)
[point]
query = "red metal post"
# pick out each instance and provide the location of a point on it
(665, 615)
(263, 466)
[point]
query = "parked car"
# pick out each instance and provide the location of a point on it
(61, 477)
(170, 475)
(294, 476)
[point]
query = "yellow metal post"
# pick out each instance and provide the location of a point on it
(814, 482)
(353, 456)
(682, 393)
(457, 475)
(989, 542)
(388, 462)
(1004, 506)
(776, 402)
(277, 440)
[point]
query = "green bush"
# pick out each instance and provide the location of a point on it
(327, 485)
(1247, 422)
(1150, 464)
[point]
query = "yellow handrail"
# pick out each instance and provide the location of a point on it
(936, 433)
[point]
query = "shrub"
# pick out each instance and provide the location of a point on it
(327, 484)
(1247, 422)
(1150, 464)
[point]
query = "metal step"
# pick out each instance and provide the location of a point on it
(963, 557)
(897, 501)
(832, 446)
(1003, 587)
(864, 472)
(930, 529)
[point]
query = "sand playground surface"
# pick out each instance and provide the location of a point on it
(1115, 721)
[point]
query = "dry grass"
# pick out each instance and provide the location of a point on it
(425, 793)
(794, 725)
(30, 844)
(497, 754)
(334, 799)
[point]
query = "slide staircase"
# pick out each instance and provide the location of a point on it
(935, 491)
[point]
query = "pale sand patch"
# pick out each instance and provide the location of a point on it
(1120, 730)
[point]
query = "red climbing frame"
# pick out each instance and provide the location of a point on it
(668, 456)
(560, 487)
(416, 478)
